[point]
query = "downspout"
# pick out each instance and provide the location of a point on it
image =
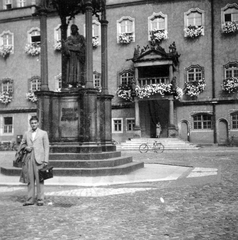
(213, 72)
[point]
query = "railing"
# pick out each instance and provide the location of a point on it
(153, 80)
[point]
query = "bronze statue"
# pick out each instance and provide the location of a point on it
(74, 49)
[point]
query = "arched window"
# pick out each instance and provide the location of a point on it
(7, 85)
(7, 40)
(34, 36)
(126, 77)
(194, 73)
(35, 83)
(202, 121)
(157, 23)
(194, 22)
(231, 70)
(126, 30)
(229, 18)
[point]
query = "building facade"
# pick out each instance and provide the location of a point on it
(172, 67)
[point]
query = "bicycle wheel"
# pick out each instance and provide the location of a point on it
(159, 147)
(143, 148)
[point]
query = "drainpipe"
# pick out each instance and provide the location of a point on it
(213, 71)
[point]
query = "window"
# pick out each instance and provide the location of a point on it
(130, 124)
(34, 36)
(234, 120)
(97, 79)
(7, 4)
(21, 3)
(157, 22)
(117, 125)
(195, 73)
(7, 85)
(202, 121)
(194, 20)
(126, 77)
(35, 84)
(230, 13)
(7, 125)
(231, 70)
(58, 82)
(126, 28)
(6, 40)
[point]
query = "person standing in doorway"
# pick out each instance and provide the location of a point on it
(36, 144)
(158, 129)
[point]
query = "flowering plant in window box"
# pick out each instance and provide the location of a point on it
(149, 90)
(229, 27)
(193, 31)
(5, 50)
(194, 88)
(125, 38)
(5, 97)
(158, 35)
(30, 96)
(95, 42)
(58, 45)
(32, 49)
(178, 93)
(230, 85)
(124, 91)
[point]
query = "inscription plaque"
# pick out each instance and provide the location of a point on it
(69, 114)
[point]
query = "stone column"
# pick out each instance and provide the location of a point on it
(44, 55)
(172, 132)
(171, 73)
(104, 53)
(89, 46)
(137, 129)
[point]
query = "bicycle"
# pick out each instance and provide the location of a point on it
(156, 147)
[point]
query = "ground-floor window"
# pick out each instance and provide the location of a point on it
(130, 124)
(117, 125)
(7, 125)
(202, 121)
(234, 120)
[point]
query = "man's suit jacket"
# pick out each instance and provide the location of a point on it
(40, 144)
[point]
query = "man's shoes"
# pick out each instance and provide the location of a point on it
(28, 204)
(40, 203)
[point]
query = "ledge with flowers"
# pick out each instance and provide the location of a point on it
(32, 49)
(128, 93)
(193, 31)
(5, 97)
(125, 38)
(230, 85)
(157, 35)
(5, 51)
(230, 27)
(194, 88)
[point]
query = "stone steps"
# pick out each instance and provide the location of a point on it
(169, 144)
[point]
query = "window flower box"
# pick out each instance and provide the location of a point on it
(58, 46)
(124, 91)
(230, 27)
(230, 85)
(95, 42)
(5, 97)
(5, 51)
(30, 96)
(158, 35)
(193, 31)
(193, 89)
(125, 38)
(32, 49)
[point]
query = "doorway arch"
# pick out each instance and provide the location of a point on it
(222, 131)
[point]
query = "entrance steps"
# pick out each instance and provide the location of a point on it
(169, 144)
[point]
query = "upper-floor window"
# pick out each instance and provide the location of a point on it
(34, 36)
(7, 85)
(234, 120)
(97, 79)
(231, 70)
(6, 42)
(229, 18)
(202, 121)
(21, 3)
(194, 22)
(35, 83)
(157, 26)
(7, 4)
(194, 73)
(126, 30)
(126, 77)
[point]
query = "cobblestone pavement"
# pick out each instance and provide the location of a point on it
(193, 207)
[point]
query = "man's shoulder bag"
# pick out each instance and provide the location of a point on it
(45, 173)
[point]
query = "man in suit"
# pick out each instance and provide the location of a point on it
(37, 147)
